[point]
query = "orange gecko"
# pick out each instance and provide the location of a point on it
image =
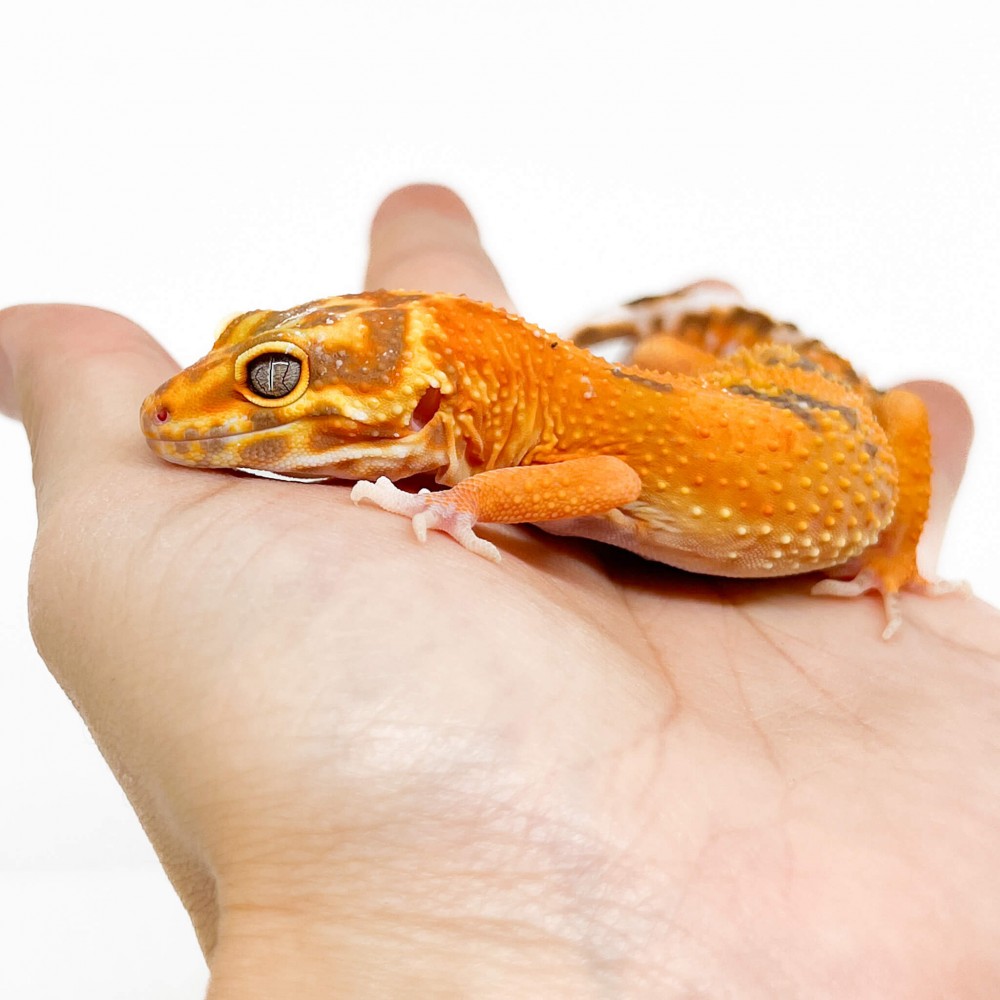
(730, 445)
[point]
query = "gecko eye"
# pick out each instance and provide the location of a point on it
(272, 374)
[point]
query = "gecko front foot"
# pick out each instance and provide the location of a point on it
(427, 511)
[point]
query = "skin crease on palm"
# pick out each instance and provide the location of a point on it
(374, 768)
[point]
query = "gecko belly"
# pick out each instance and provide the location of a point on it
(715, 549)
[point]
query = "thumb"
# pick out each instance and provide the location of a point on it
(75, 376)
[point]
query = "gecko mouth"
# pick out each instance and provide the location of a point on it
(163, 443)
(279, 452)
(164, 431)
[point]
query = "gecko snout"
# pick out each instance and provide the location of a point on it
(153, 415)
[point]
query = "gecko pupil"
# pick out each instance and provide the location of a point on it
(274, 375)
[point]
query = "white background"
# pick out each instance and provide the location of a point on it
(180, 163)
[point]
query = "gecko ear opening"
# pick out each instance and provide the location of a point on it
(423, 413)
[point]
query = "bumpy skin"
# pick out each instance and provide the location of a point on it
(740, 448)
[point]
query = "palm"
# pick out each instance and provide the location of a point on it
(714, 754)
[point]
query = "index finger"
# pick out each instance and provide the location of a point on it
(424, 238)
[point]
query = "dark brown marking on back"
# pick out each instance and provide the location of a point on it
(831, 362)
(812, 356)
(799, 404)
(642, 380)
(802, 364)
(595, 334)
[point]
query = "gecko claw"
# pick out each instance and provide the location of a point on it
(419, 523)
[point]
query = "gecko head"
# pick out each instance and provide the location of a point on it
(337, 387)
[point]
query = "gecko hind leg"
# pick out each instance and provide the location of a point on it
(890, 565)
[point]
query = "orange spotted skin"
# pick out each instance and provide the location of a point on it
(754, 452)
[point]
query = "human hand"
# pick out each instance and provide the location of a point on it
(403, 770)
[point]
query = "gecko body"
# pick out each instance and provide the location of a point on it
(733, 445)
